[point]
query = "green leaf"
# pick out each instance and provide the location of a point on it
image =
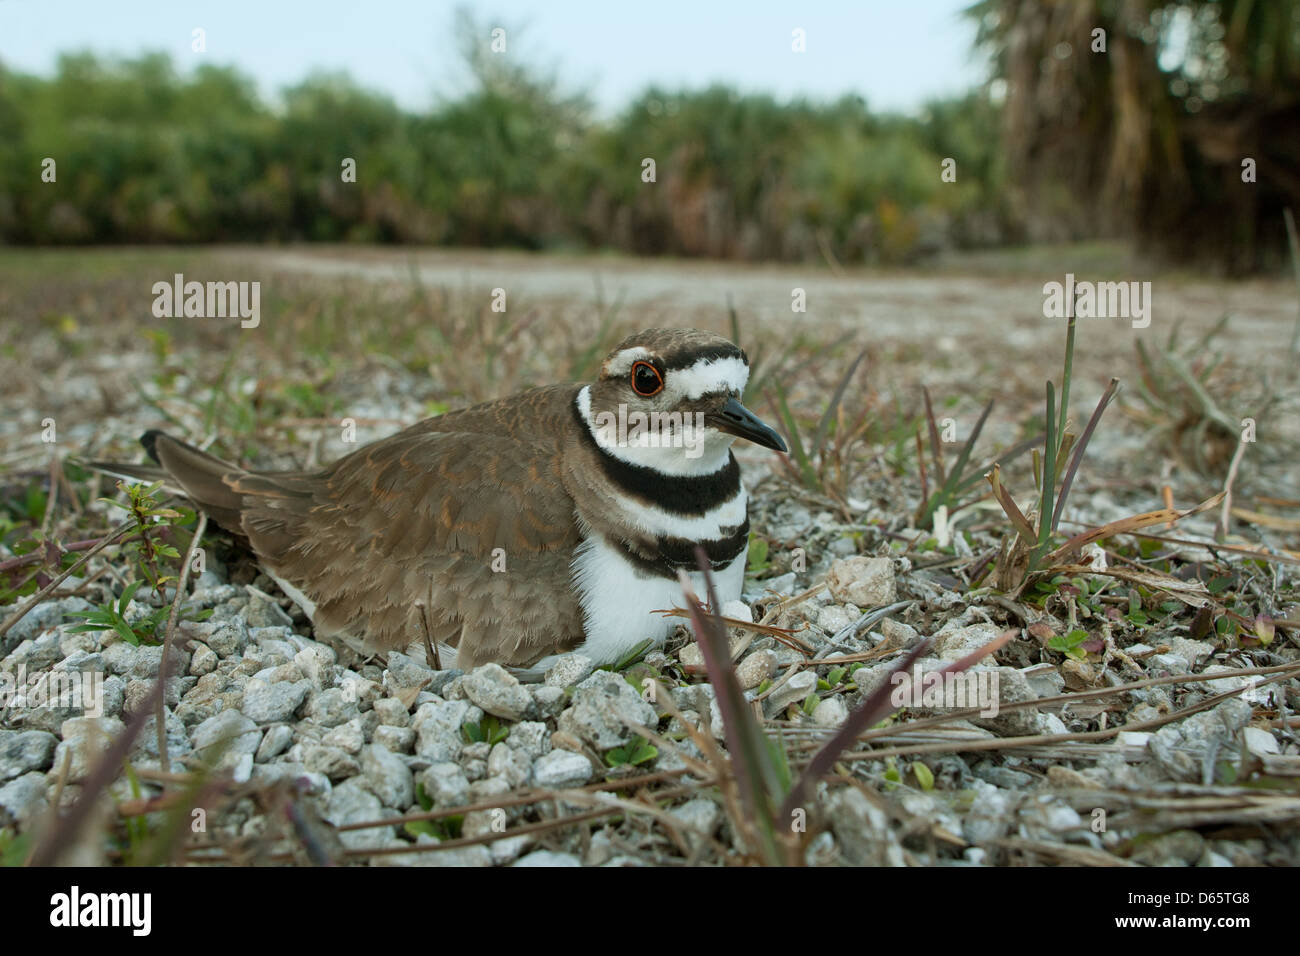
(631, 658)
(1069, 643)
(14, 847)
(124, 630)
(128, 593)
(489, 730)
(422, 798)
(892, 777)
(637, 751)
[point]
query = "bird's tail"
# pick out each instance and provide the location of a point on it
(185, 470)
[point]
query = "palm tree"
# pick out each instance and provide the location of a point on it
(1151, 123)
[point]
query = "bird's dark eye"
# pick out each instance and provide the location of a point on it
(646, 380)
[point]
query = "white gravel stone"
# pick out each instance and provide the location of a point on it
(465, 856)
(549, 700)
(148, 660)
(862, 830)
(532, 737)
(22, 800)
(548, 858)
(515, 765)
(437, 727)
(830, 713)
(989, 816)
(1260, 741)
(561, 768)
(1193, 652)
(85, 739)
(700, 815)
(276, 741)
(267, 703)
(445, 784)
(400, 740)
(388, 777)
(497, 691)
(865, 582)
(24, 751)
(44, 615)
(349, 737)
(756, 668)
(204, 660)
(737, 611)
(1133, 738)
(316, 663)
(1044, 679)
(832, 619)
(603, 708)
(1230, 681)
(392, 712)
(405, 672)
(952, 643)
(230, 728)
(899, 634)
(226, 637)
(332, 707)
(1044, 817)
(568, 670)
(119, 658)
(509, 849)
(333, 762)
(763, 590)
(795, 690)
(352, 802)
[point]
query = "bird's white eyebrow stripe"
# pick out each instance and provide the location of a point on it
(621, 363)
(707, 376)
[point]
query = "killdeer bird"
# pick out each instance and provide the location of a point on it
(550, 521)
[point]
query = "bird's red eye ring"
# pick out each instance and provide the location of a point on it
(646, 380)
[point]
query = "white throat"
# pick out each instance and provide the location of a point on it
(670, 446)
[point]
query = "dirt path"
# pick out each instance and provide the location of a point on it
(952, 312)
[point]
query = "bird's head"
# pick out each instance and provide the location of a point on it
(669, 399)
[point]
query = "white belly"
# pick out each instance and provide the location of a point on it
(618, 601)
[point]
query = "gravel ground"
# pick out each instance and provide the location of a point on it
(366, 741)
(308, 738)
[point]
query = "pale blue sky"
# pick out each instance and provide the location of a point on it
(894, 54)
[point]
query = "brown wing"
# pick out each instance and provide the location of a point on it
(472, 525)
(475, 522)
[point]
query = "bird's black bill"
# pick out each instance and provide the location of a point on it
(735, 419)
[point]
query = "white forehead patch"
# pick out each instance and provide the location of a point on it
(707, 376)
